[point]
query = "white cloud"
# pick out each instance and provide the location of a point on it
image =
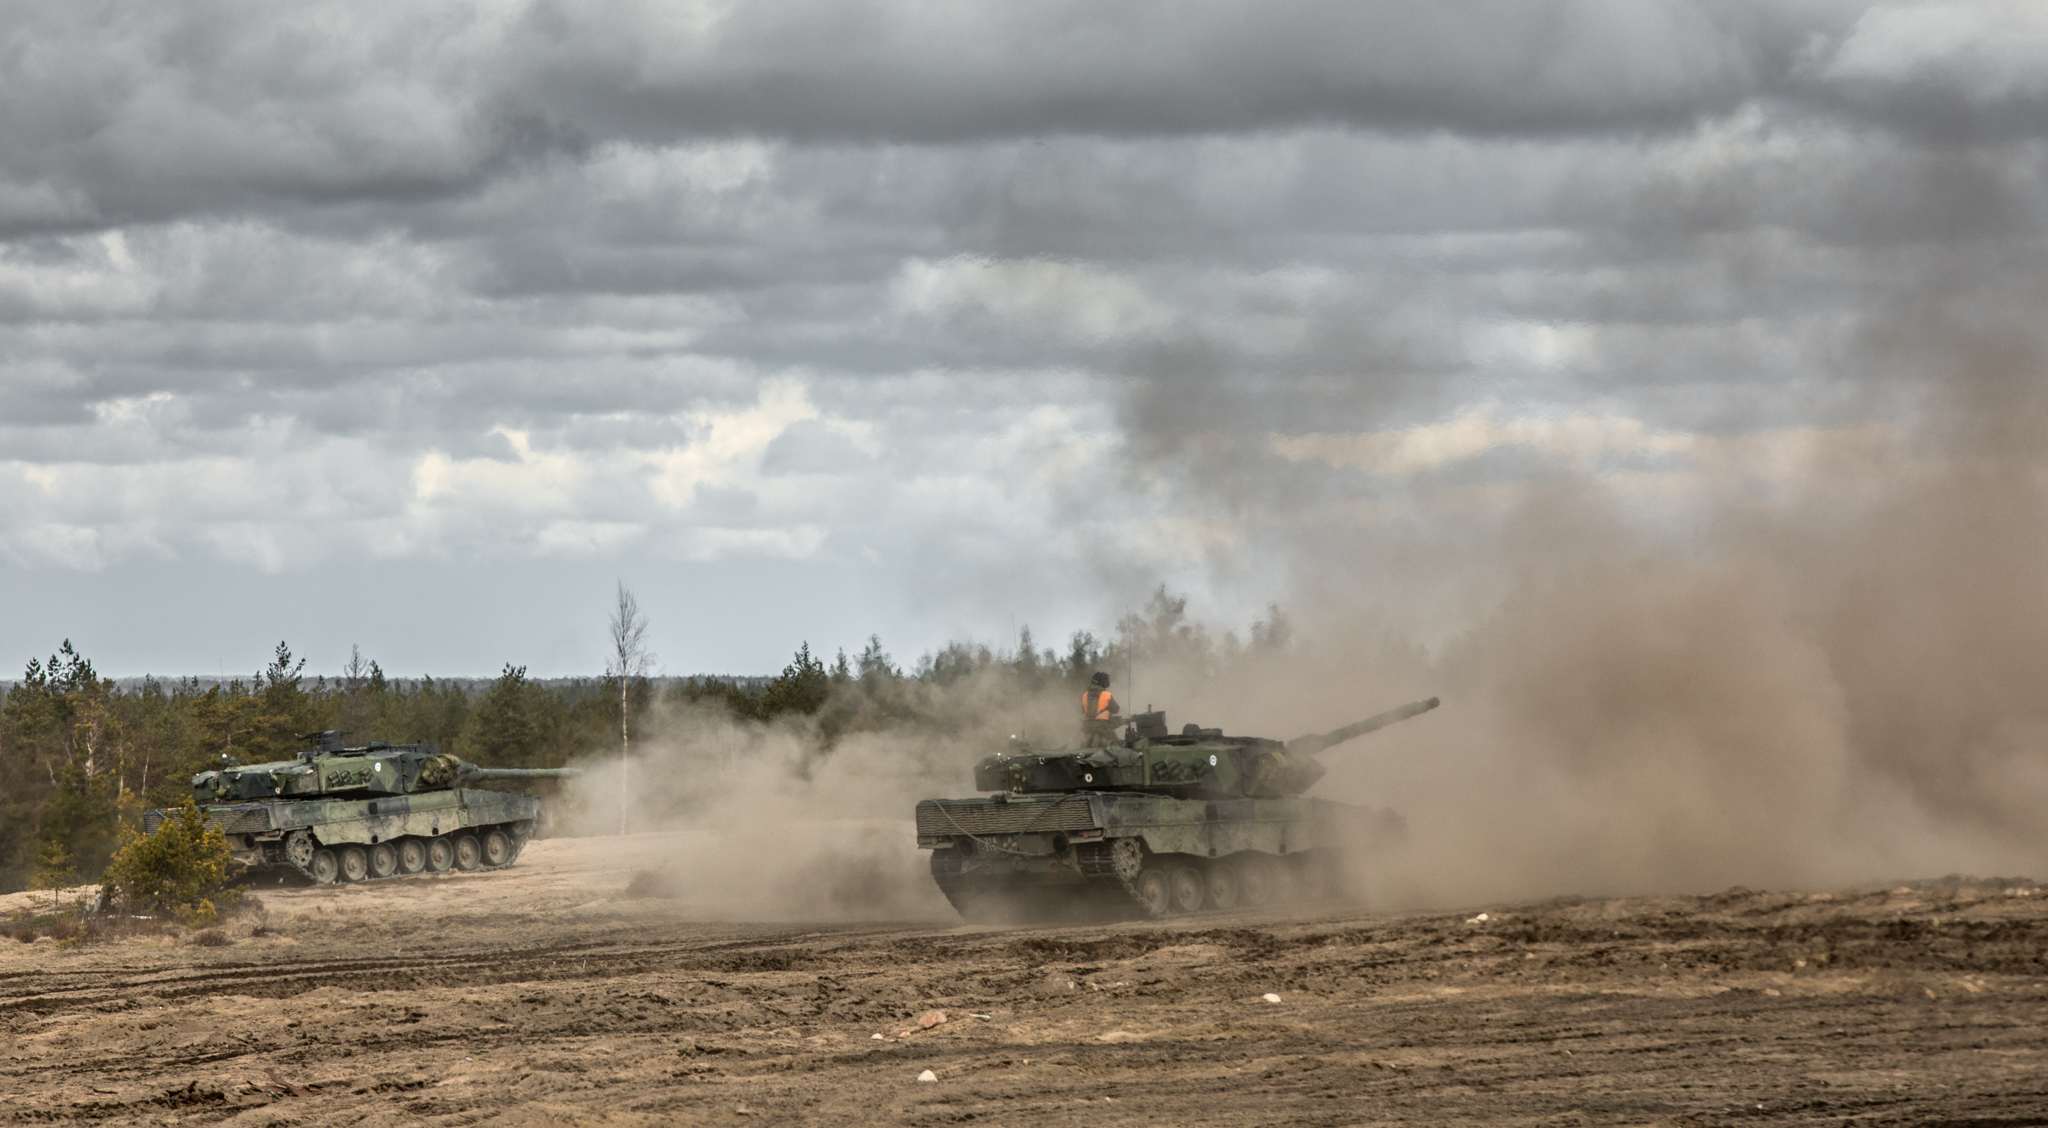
(1985, 50)
(1578, 439)
(272, 495)
(727, 446)
(1627, 453)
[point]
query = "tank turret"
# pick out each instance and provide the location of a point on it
(1196, 763)
(330, 767)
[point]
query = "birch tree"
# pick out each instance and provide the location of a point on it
(629, 659)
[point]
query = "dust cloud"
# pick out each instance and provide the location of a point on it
(1835, 681)
(765, 822)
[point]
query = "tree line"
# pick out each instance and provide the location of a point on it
(81, 756)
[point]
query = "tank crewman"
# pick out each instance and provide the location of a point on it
(1099, 712)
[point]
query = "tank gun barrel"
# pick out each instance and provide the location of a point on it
(470, 771)
(1310, 745)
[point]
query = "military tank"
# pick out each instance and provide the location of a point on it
(381, 810)
(1155, 825)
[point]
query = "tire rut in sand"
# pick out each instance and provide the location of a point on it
(1681, 1009)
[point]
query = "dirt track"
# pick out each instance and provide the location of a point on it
(538, 996)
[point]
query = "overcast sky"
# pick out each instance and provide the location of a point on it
(416, 325)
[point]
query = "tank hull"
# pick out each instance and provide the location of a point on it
(373, 838)
(1109, 855)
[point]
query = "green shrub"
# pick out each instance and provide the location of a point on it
(182, 869)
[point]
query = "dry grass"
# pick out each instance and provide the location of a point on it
(109, 927)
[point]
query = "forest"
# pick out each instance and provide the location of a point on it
(82, 756)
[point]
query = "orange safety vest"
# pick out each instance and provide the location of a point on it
(1095, 704)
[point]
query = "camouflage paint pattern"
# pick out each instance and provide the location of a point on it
(1197, 806)
(294, 815)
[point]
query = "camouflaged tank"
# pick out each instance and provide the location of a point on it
(359, 814)
(1155, 825)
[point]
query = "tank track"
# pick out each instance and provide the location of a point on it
(469, 850)
(1150, 884)
(1126, 881)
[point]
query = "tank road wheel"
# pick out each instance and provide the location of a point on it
(383, 860)
(298, 850)
(1188, 889)
(355, 863)
(497, 848)
(1255, 881)
(1127, 857)
(412, 855)
(325, 867)
(440, 855)
(1223, 885)
(1154, 892)
(468, 855)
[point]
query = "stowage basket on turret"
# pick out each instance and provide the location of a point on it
(1155, 825)
(359, 814)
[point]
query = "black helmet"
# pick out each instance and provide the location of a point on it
(1100, 679)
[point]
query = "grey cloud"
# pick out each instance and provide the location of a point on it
(1949, 75)
(895, 71)
(1177, 231)
(132, 114)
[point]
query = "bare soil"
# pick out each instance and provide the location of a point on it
(543, 994)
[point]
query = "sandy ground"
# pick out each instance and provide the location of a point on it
(543, 995)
